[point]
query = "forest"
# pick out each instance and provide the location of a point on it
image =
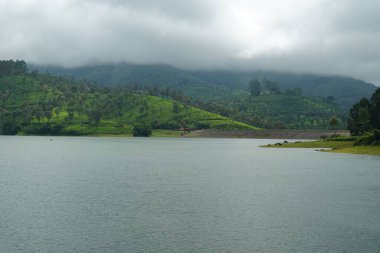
(41, 104)
(228, 93)
(45, 103)
(364, 120)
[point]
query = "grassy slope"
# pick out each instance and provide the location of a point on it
(231, 88)
(294, 112)
(335, 146)
(32, 90)
(159, 109)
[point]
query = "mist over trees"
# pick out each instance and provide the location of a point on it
(12, 67)
(31, 102)
(255, 87)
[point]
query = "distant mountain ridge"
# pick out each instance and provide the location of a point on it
(144, 75)
(218, 85)
(345, 90)
(227, 93)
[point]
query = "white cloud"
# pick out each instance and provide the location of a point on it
(333, 37)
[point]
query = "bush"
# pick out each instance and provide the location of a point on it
(72, 132)
(142, 130)
(369, 138)
(343, 138)
(203, 125)
(44, 129)
(334, 136)
(10, 128)
(171, 125)
(56, 129)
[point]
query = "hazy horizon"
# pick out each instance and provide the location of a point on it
(316, 37)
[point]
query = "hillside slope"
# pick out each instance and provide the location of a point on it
(284, 111)
(142, 75)
(42, 104)
(229, 94)
(346, 91)
(219, 85)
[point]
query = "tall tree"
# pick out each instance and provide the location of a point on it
(359, 120)
(334, 121)
(271, 86)
(176, 108)
(375, 100)
(255, 87)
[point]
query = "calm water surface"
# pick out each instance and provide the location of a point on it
(184, 195)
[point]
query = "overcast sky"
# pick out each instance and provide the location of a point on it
(314, 36)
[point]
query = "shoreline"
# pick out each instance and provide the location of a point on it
(330, 146)
(212, 133)
(265, 134)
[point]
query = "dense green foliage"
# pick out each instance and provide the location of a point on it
(284, 111)
(271, 108)
(365, 115)
(255, 87)
(334, 121)
(344, 91)
(271, 104)
(369, 138)
(337, 145)
(12, 68)
(375, 115)
(359, 120)
(142, 130)
(143, 76)
(47, 105)
(220, 85)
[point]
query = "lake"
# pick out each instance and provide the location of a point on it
(80, 194)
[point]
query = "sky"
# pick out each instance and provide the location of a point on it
(315, 36)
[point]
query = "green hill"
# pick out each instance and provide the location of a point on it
(284, 111)
(142, 75)
(345, 90)
(227, 93)
(42, 104)
(218, 85)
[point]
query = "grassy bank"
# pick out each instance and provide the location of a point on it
(155, 133)
(335, 146)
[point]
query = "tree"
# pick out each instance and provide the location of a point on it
(294, 92)
(331, 99)
(142, 130)
(48, 115)
(95, 116)
(255, 87)
(375, 115)
(176, 108)
(57, 110)
(69, 117)
(334, 121)
(369, 138)
(13, 68)
(271, 87)
(360, 116)
(10, 127)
